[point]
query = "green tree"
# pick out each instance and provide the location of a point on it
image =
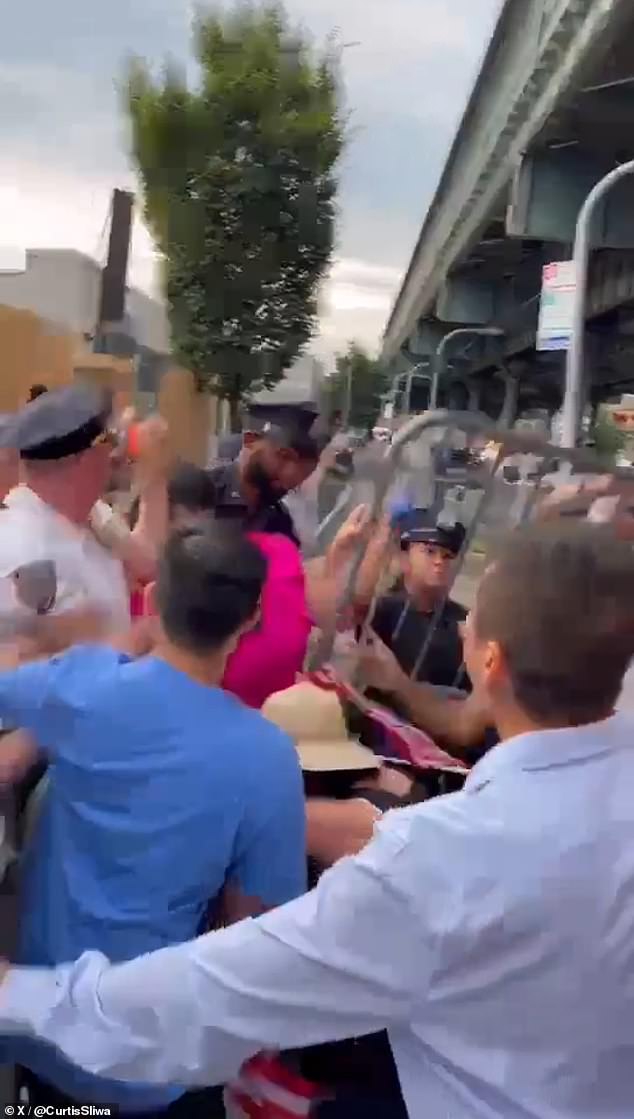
(238, 177)
(356, 387)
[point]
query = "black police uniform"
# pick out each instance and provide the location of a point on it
(230, 505)
(277, 422)
(404, 628)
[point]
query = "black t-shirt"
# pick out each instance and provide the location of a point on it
(272, 518)
(443, 661)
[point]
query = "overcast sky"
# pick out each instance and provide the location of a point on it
(63, 143)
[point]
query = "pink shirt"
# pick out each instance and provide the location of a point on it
(269, 659)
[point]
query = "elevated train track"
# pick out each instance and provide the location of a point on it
(551, 112)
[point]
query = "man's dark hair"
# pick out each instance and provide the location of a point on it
(35, 391)
(209, 584)
(560, 601)
(192, 488)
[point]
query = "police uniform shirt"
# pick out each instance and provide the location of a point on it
(444, 658)
(49, 565)
(272, 518)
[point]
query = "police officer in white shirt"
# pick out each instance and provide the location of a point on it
(50, 560)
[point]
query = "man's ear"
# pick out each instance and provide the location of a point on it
(249, 439)
(494, 663)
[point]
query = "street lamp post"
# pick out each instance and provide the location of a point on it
(441, 354)
(416, 371)
(390, 396)
(573, 398)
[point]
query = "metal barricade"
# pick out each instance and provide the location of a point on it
(494, 491)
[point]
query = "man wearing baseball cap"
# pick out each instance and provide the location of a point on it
(278, 454)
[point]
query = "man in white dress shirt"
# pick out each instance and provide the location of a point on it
(490, 931)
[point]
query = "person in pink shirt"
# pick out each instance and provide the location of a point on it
(269, 659)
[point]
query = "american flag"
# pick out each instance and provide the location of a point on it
(266, 1089)
(403, 742)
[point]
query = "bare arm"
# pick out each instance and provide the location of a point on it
(18, 754)
(325, 576)
(457, 723)
(374, 563)
(150, 532)
(136, 550)
(335, 828)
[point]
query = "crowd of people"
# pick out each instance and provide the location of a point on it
(212, 865)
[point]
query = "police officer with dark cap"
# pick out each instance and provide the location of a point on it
(403, 617)
(278, 454)
(50, 561)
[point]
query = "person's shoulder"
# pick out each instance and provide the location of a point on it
(23, 539)
(72, 677)
(389, 606)
(279, 550)
(264, 740)
(278, 519)
(437, 830)
(455, 611)
(91, 662)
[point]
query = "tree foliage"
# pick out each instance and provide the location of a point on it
(238, 176)
(609, 441)
(356, 387)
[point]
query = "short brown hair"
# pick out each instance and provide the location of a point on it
(560, 601)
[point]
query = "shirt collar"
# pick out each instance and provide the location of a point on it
(550, 749)
(23, 497)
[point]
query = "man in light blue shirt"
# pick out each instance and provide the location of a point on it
(491, 931)
(165, 793)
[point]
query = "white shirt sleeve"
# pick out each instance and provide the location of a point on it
(340, 962)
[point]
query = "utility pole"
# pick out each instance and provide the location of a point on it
(347, 405)
(114, 276)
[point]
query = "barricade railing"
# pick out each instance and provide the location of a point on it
(497, 489)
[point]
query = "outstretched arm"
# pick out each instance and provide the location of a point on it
(459, 724)
(336, 963)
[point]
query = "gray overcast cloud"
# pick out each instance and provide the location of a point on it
(63, 144)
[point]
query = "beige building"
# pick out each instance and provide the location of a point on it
(48, 315)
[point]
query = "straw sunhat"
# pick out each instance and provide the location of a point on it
(313, 718)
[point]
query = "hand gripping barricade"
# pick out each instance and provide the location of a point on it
(462, 467)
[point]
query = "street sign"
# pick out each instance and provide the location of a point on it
(556, 309)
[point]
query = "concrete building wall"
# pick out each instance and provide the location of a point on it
(59, 285)
(148, 321)
(302, 382)
(63, 286)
